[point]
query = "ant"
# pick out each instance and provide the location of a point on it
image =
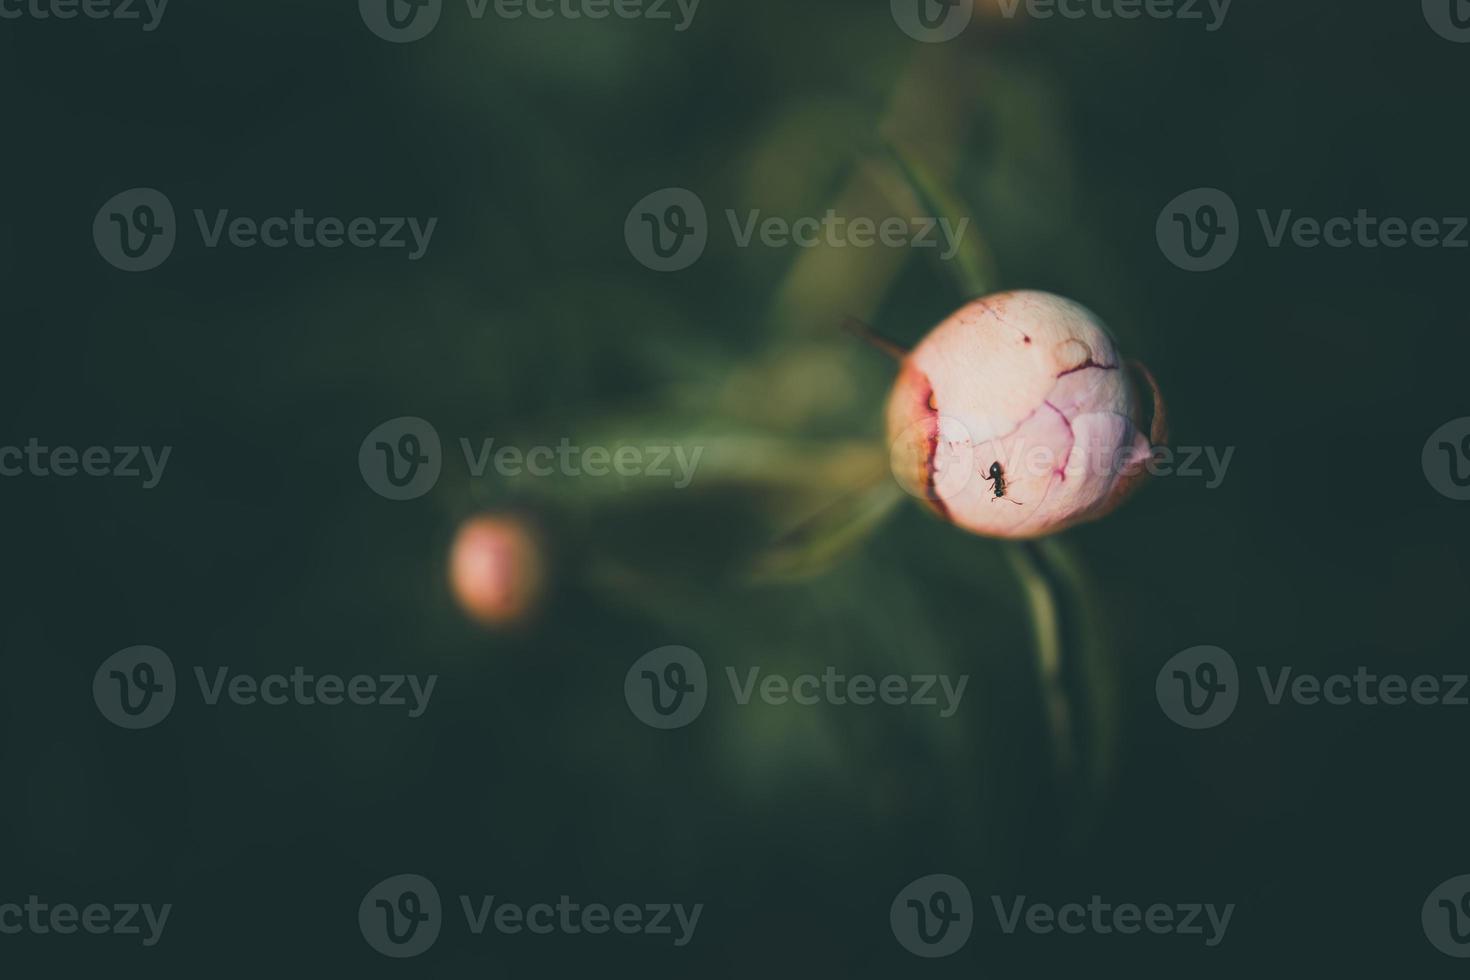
(997, 478)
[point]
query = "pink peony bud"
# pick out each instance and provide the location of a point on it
(1016, 418)
(495, 570)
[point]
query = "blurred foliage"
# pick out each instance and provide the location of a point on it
(530, 322)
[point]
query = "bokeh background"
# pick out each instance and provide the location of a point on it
(529, 321)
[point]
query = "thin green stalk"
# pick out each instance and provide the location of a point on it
(973, 267)
(1073, 670)
(1043, 598)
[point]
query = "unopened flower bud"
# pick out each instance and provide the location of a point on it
(495, 569)
(1016, 418)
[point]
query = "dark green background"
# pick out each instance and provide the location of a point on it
(529, 321)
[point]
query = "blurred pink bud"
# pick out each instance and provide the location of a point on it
(1016, 418)
(495, 569)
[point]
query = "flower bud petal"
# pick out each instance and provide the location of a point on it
(1028, 391)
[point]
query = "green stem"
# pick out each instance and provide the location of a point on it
(1043, 596)
(1074, 670)
(972, 266)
